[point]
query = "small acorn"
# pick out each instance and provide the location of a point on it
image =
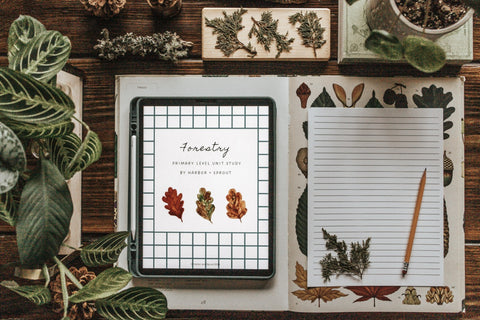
(302, 160)
(303, 92)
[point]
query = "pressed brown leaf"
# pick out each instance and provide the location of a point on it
(357, 93)
(340, 93)
(236, 206)
(301, 274)
(174, 203)
(367, 293)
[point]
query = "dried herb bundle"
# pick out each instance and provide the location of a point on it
(352, 264)
(227, 29)
(266, 32)
(166, 46)
(310, 29)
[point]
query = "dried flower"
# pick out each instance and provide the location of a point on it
(104, 8)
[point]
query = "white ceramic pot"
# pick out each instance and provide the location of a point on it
(381, 14)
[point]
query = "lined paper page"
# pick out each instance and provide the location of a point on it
(364, 171)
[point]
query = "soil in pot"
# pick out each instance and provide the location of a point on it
(442, 13)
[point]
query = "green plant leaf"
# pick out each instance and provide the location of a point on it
(385, 45)
(105, 250)
(25, 99)
(373, 102)
(8, 208)
(104, 285)
(43, 57)
(44, 215)
(37, 294)
(12, 158)
(134, 303)
(305, 129)
(301, 222)
(423, 54)
(22, 30)
(40, 131)
(71, 155)
(323, 100)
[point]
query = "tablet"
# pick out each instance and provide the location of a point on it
(201, 190)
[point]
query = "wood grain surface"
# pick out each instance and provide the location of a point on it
(69, 17)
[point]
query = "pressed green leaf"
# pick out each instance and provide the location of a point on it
(71, 155)
(384, 44)
(305, 128)
(37, 294)
(373, 102)
(323, 100)
(44, 215)
(43, 57)
(12, 158)
(134, 304)
(104, 285)
(301, 224)
(423, 54)
(41, 130)
(22, 30)
(25, 99)
(105, 250)
(8, 208)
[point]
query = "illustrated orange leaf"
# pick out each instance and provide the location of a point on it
(367, 293)
(174, 203)
(236, 206)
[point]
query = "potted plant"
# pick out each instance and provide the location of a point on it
(34, 195)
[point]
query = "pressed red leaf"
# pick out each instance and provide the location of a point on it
(174, 203)
(369, 292)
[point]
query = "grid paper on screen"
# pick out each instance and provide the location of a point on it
(171, 243)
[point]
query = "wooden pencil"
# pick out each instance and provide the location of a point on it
(413, 227)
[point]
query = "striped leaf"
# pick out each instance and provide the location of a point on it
(41, 131)
(104, 285)
(133, 304)
(8, 208)
(22, 30)
(301, 222)
(71, 155)
(43, 56)
(25, 99)
(37, 294)
(12, 158)
(105, 250)
(44, 215)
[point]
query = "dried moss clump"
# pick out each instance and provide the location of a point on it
(104, 8)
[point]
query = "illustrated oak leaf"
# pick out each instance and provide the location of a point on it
(367, 293)
(236, 206)
(174, 203)
(205, 206)
(312, 294)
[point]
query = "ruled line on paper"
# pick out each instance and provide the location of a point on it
(364, 170)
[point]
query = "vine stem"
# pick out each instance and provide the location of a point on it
(427, 13)
(46, 275)
(407, 2)
(67, 272)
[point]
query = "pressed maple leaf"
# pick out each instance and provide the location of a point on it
(311, 294)
(174, 203)
(236, 206)
(205, 206)
(367, 293)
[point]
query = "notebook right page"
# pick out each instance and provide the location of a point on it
(364, 172)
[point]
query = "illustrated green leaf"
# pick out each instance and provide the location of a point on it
(373, 102)
(44, 215)
(301, 222)
(136, 303)
(36, 294)
(22, 30)
(305, 128)
(25, 99)
(323, 100)
(105, 250)
(12, 158)
(40, 131)
(43, 57)
(71, 155)
(8, 208)
(423, 54)
(104, 285)
(384, 44)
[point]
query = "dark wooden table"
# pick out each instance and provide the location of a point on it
(70, 18)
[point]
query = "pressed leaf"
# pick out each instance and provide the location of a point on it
(36, 294)
(236, 207)
(423, 54)
(373, 102)
(323, 100)
(105, 250)
(12, 158)
(25, 99)
(43, 57)
(357, 93)
(205, 206)
(367, 293)
(104, 285)
(340, 93)
(44, 215)
(22, 30)
(41, 131)
(385, 45)
(134, 303)
(174, 203)
(305, 128)
(8, 208)
(301, 222)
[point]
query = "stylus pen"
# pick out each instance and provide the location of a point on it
(133, 185)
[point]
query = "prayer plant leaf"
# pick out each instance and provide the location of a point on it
(25, 99)
(423, 54)
(385, 45)
(43, 57)
(36, 294)
(44, 215)
(41, 131)
(134, 303)
(12, 158)
(105, 250)
(71, 155)
(22, 30)
(104, 285)
(301, 224)
(8, 208)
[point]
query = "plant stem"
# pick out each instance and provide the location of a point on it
(79, 152)
(70, 247)
(427, 13)
(67, 272)
(64, 286)
(81, 122)
(46, 275)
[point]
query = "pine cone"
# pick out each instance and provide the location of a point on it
(81, 311)
(104, 8)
